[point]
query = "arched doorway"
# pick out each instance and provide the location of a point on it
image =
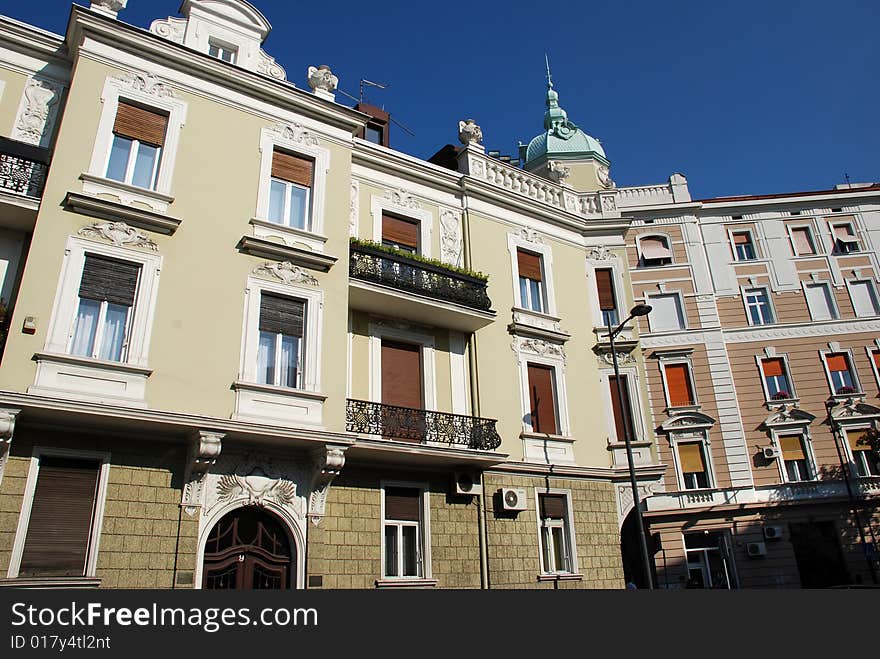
(248, 549)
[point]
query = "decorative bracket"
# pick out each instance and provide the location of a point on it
(328, 463)
(7, 428)
(204, 450)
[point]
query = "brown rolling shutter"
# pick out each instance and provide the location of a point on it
(792, 447)
(615, 405)
(552, 506)
(741, 239)
(281, 315)
(691, 457)
(543, 405)
(837, 362)
(140, 124)
(399, 231)
(108, 279)
(529, 265)
(289, 167)
(605, 288)
(402, 503)
(60, 523)
(772, 367)
(401, 374)
(802, 242)
(876, 356)
(679, 384)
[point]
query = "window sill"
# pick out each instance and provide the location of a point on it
(535, 323)
(561, 576)
(96, 380)
(51, 582)
(773, 404)
(266, 402)
(406, 583)
(126, 194)
(672, 410)
(112, 211)
(290, 236)
(122, 367)
(268, 249)
(549, 449)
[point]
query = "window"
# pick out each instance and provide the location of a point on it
(864, 298)
(679, 388)
(607, 299)
(279, 355)
(666, 312)
(60, 521)
(692, 462)
(875, 363)
(106, 303)
(222, 52)
(743, 246)
(622, 413)
(400, 233)
(138, 138)
(845, 241)
(820, 301)
(375, 134)
(655, 251)
(531, 286)
(542, 399)
(840, 373)
(795, 459)
(777, 385)
(708, 560)
(403, 532)
(290, 189)
(758, 306)
(556, 544)
(865, 459)
(802, 241)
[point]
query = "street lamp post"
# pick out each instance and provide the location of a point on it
(638, 310)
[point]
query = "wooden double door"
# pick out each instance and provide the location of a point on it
(248, 549)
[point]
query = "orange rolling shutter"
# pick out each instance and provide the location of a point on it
(691, 457)
(400, 232)
(679, 384)
(543, 405)
(615, 405)
(529, 265)
(772, 367)
(605, 289)
(837, 362)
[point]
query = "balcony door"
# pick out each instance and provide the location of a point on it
(404, 419)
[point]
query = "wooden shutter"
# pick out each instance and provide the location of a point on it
(615, 405)
(60, 524)
(400, 231)
(837, 362)
(401, 374)
(529, 265)
(605, 288)
(108, 279)
(552, 506)
(281, 315)
(289, 167)
(772, 367)
(402, 503)
(691, 458)
(802, 243)
(541, 399)
(140, 124)
(792, 447)
(679, 384)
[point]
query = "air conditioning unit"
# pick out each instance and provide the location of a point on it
(467, 482)
(772, 532)
(512, 499)
(771, 452)
(755, 549)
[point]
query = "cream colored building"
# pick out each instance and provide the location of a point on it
(294, 356)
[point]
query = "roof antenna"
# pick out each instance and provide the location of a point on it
(846, 176)
(369, 83)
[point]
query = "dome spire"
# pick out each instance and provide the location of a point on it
(555, 115)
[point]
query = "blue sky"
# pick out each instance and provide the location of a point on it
(743, 98)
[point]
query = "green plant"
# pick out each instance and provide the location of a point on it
(418, 257)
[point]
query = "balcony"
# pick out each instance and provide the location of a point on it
(397, 284)
(23, 169)
(414, 426)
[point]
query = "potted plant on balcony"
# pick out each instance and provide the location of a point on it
(845, 391)
(781, 395)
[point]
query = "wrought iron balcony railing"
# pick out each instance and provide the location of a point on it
(407, 274)
(23, 168)
(406, 424)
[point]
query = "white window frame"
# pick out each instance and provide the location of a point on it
(832, 225)
(132, 161)
(835, 312)
(569, 531)
(744, 293)
(61, 325)
(222, 47)
(732, 580)
(425, 219)
(853, 461)
(701, 437)
(872, 288)
(126, 88)
(853, 371)
(812, 238)
(30, 488)
(733, 230)
(759, 359)
(669, 361)
(514, 242)
(616, 281)
(377, 332)
(285, 140)
(310, 344)
(681, 309)
(870, 350)
(424, 535)
(639, 429)
(641, 259)
(806, 442)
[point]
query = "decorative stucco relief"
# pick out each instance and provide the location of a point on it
(37, 113)
(450, 237)
(286, 272)
(119, 234)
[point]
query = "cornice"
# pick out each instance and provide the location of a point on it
(647, 472)
(826, 199)
(31, 38)
(774, 332)
(404, 165)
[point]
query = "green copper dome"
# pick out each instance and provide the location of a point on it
(561, 138)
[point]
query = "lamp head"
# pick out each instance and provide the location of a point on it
(641, 310)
